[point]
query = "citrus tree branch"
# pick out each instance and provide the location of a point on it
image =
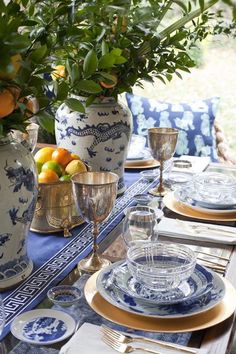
(187, 18)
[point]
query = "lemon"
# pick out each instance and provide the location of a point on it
(75, 166)
(44, 154)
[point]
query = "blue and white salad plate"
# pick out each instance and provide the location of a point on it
(42, 327)
(131, 304)
(189, 197)
(197, 285)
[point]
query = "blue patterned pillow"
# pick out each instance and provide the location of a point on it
(195, 122)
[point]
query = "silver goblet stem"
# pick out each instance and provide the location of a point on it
(162, 143)
(95, 194)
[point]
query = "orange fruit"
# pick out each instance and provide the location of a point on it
(59, 72)
(48, 176)
(52, 165)
(44, 154)
(110, 84)
(61, 156)
(7, 102)
(15, 67)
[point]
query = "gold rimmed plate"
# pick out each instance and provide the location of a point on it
(141, 164)
(192, 323)
(182, 209)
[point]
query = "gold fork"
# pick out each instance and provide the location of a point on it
(125, 348)
(128, 339)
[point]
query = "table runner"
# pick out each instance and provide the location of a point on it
(82, 313)
(54, 257)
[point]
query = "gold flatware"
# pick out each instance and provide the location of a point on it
(125, 348)
(120, 337)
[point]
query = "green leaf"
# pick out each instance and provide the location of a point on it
(105, 48)
(75, 105)
(116, 51)
(46, 121)
(106, 61)
(89, 86)
(62, 91)
(120, 60)
(90, 100)
(38, 54)
(90, 63)
(202, 5)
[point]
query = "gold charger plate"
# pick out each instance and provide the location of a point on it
(137, 164)
(192, 323)
(180, 208)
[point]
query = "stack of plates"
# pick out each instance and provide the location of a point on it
(141, 160)
(205, 197)
(116, 295)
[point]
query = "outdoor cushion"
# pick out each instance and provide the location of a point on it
(195, 122)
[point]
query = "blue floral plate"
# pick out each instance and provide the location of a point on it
(197, 285)
(43, 326)
(129, 303)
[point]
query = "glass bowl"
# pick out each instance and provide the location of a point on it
(214, 186)
(160, 266)
(64, 295)
(149, 175)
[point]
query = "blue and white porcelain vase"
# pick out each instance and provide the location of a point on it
(18, 192)
(100, 136)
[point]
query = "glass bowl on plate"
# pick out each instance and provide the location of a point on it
(214, 188)
(64, 295)
(160, 266)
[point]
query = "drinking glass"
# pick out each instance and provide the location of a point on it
(95, 195)
(162, 143)
(140, 224)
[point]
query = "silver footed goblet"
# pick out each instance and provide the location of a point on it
(162, 143)
(95, 195)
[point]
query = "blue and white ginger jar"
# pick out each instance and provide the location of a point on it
(100, 136)
(18, 192)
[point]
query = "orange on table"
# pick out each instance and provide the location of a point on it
(62, 156)
(7, 102)
(45, 154)
(48, 176)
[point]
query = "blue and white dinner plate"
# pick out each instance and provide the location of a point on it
(189, 307)
(43, 326)
(197, 285)
(187, 196)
